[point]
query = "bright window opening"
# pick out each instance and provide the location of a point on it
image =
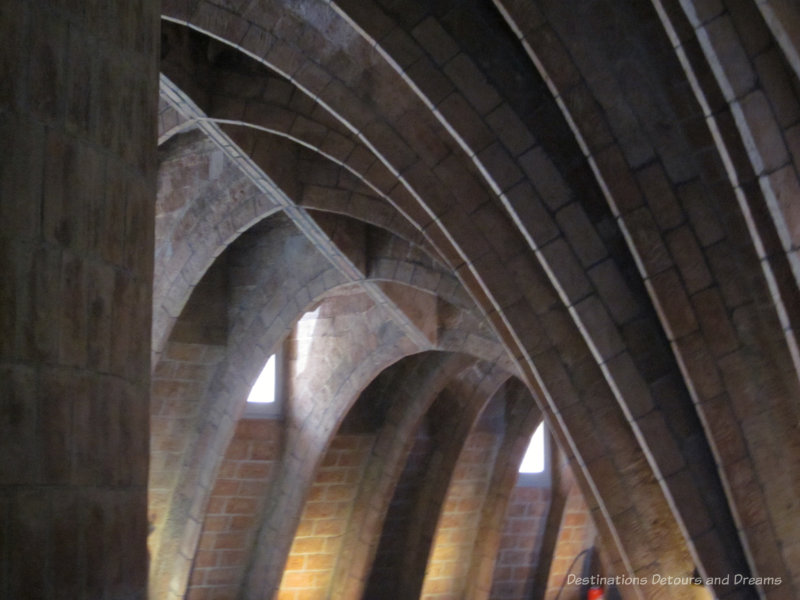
(533, 461)
(263, 391)
(304, 334)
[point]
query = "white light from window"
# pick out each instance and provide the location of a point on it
(263, 391)
(305, 335)
(533, 461)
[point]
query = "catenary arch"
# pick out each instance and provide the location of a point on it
(251, 96)
(654, 417)
(264, 320)
(691, 259)
(500, 318)
(203, 204)
(407, 405)
(458, 409)
(453, 416)
(403, 394)
(194, 236)
(524, 417)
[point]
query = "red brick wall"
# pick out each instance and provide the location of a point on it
(235, 502)
(455, 536)
(318, 540)
(520, 544)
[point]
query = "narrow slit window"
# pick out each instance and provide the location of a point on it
(534, 459)
(263, 391)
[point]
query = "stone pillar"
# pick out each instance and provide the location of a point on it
(78, 103)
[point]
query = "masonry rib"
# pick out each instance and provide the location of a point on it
(302, 220)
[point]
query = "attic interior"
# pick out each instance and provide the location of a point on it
(443, 225)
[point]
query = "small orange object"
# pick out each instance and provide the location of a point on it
(595, 593)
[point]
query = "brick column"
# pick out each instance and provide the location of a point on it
(78, 103)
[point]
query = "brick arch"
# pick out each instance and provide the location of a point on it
(618, 363)
(523, 418)
(784, 22)
(296, 475)
(246, 104)
(224, 203)
(322, 182)
(229, 540)
(256, 326)
(451, 417)
(189, 257)
(756, 142)
(222, 206)
(229, 27)
(591, 313)
(691, 255)
(405, 391)
(756, 125)
(662, 421)
(204, 202)
(208, 435)
(484, 278)
(197, 245)
(310, 421)
(468, 532)
(302, 445)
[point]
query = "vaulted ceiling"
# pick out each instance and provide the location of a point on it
(586, 212)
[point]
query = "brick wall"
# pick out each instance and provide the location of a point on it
(455, 536)
(519, 546)
(234, 504)
(640, 134)
(317, 543)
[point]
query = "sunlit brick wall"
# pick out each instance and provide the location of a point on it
(317, 543)
(456, 532)
(233, 509)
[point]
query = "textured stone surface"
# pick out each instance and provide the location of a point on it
(78, 183)
(478, 206)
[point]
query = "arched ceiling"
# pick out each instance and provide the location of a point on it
(596, 197)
